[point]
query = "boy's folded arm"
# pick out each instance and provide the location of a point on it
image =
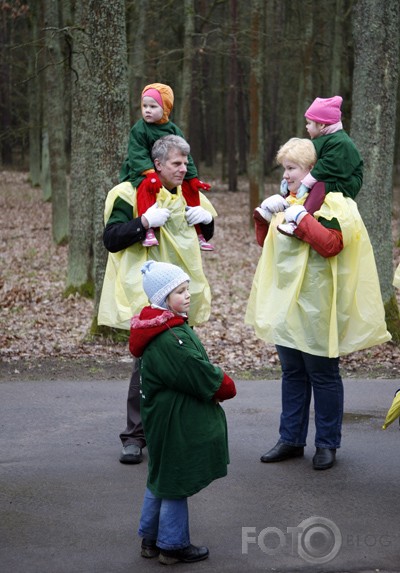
(227, 389)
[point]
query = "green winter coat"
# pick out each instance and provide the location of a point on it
(141, 140)
(186, 431)
(339, 164)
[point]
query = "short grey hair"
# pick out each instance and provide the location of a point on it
(164, 145)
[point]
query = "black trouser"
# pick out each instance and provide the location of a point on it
(133, 433)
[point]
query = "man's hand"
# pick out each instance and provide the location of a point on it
(156, 216)
(196, 215)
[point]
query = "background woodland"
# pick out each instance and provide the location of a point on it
(242, 73)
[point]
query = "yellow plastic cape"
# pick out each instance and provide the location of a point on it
(393, 412)
(396, 279)
(323, 306)
(122, 294)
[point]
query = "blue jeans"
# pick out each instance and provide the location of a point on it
(302, 375)
(165, 521)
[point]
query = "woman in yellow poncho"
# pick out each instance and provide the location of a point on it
(316, 296)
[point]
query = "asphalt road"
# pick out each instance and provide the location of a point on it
(68, 506)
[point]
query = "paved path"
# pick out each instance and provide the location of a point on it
(68, 506)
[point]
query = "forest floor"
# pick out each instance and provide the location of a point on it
(44, 334)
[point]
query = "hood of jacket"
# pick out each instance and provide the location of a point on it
(148, 324)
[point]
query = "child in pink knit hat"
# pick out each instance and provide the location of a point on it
(339, 165)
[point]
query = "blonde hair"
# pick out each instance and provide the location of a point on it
(298, 150)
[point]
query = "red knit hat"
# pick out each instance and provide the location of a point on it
(325, 110)
(163, 95)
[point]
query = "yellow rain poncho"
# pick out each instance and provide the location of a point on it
(394, 411)
(396, 279)
(322, 306)
(122, 294)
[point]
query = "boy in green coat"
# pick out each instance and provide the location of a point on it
(183, 421)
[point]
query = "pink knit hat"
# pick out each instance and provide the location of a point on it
(325, 110)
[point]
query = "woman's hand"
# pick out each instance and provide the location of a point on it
(275, 204)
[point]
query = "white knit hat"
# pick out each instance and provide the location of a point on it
(160, 279)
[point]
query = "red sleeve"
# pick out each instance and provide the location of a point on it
(226, 390)
(261, 227)
(327, 242)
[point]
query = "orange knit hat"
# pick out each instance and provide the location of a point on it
(166, 97)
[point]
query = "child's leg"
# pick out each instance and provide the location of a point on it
(144, 199)
(173, 528)
(315, 198)
(150, 517)
(192, 199)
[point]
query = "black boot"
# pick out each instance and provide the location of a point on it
(189, 554)
(282, 452)
(324, 458)
(149, 549)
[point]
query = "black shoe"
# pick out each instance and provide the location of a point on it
(189, 554)
(149, 549)
(324, 458)
(282, 452)
(131, 454)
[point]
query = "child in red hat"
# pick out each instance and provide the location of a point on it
(157, 103)
(339, 165)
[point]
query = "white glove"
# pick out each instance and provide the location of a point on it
(293, 212)
(275, 204)
(196, 215)
(157, 216)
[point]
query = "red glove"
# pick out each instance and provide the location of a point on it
(196, 184)
(227, 389)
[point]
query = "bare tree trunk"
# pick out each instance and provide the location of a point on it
(82, 192)
(337, 48)
(231, 130)
(256, 155)
(34, 104)
(45, 180)
(54, 111)
(111, 103)
(137, 12)
(185, 108)
(373, 125)
(305, 89)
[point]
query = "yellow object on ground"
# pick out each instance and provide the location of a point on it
(394, 411)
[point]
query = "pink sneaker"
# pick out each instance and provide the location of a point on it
(150, 240)
(204, 246)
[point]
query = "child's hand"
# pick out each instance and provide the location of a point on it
(196, 184)
(284, 189)
(302, 190)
